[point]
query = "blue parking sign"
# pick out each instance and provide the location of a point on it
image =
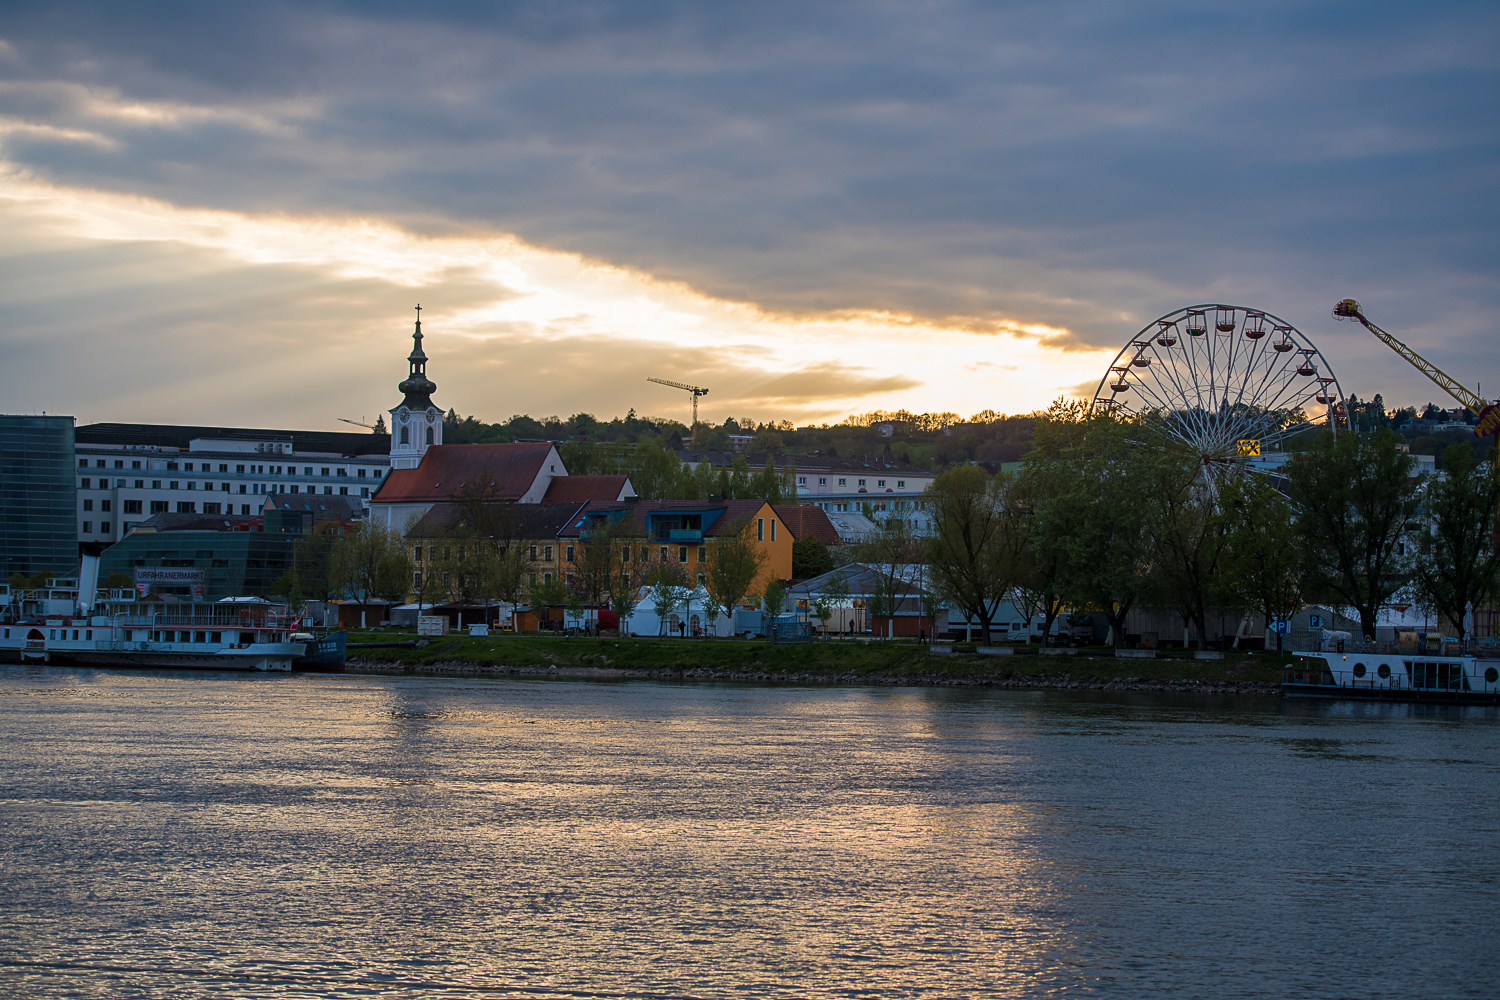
(1314, 621)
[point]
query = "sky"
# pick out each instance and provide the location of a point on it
(224, 214)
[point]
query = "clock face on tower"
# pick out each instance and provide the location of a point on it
(404, 413)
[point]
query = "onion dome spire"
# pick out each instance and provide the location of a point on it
(418, 387)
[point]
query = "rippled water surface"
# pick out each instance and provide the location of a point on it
(199, 834)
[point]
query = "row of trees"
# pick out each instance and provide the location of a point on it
(1108, 516)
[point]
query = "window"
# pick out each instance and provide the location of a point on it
(192, 485)
(662, 556)
(88, 505)
(429, 435)
(83, 463)
(210, 508)
(625, 554)
(880, 482)
(405, 438)
(773, 529)
(242, 487)
(295, 487)
(223, 486)
(132, 506)
(307, 470)
(104, 526)
(173, 485)
(343, 491)
(88, 527)
(188, 467)
(570, 554)
(135, 465)
(703, 553)
(416, 580)
(546, 553)
(171, 466)
(760, 529)
(239, 468)
(900, 484)
(645, 554)
(343, 472)
(377, 473)
(223, 467)
(360, 473)
(119, 464)
(843, 482)
(158, 506)
(533, 553)
(328, 491)
(822, 480)
(861, 482)
(682, 553)
(364, 491)
(185, 507)
(801, 480)
(87, 484)
(416, 553)
(325, 472)
(244, 507)
(156, 484)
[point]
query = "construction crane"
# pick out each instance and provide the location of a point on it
(357, 423)
(1488, 413)
(695, 390)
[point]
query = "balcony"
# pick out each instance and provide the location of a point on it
(679, 534)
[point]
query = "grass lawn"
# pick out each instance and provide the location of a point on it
(838, 657)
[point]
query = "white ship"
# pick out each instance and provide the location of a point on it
(1397, 672)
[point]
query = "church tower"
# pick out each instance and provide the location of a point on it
(417, 424)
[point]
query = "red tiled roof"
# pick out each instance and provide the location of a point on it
(579, 489)
(512, 468)
(808, 521)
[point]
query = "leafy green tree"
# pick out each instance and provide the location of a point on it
(734, 563)
(622, 600)
(369, 562)
(897, 557)
(1090, 482)
(1262, 563)
(1459, 566)
(1186, 537)
(773, 597)
(115, 581)
(669, 589)
(1354, 495)
(312, 556)
(546, 594)
(19, 583)
(810, 558)
(975, 552)
(289, 586)
(510, 576)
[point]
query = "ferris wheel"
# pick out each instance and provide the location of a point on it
(1227, 381)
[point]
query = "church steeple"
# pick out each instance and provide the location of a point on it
(417, 423)
(418, 387)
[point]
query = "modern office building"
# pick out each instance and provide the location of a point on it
(37, 496)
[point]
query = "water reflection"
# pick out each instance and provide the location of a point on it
(731, 841)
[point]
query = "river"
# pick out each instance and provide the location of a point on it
(178, 834)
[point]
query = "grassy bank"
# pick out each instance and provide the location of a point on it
(843, 661)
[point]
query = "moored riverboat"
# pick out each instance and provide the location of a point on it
(234, 636)
(1387, 672)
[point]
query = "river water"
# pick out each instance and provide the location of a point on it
(178, 834)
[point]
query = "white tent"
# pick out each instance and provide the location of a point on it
(689, 617)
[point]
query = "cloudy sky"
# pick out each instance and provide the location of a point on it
(215, 213)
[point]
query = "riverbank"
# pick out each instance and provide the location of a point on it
(838, 662)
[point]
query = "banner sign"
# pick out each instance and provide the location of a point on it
(1489, 421)
(170, 576)
(1247, 447)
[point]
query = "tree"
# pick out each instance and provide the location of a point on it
(734, 563)
(1090, 486)
(810, 558)
(975, 548)
(312, 559)
(510, 576)
(1354, 495)
(773, 597)
(1459, 568)
(898, 559)
(835, 596)
(364, 564)
(622, 599)
(544, 595)
(595, 562)
(288, 585)
(1186, 537)
(1261, 566)
(669, 588)
(115, 581)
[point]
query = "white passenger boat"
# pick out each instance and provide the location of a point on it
(150, 634)
(1387, 672)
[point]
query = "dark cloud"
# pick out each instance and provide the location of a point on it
(1085, 166)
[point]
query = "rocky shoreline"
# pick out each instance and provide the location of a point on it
(1011, 680)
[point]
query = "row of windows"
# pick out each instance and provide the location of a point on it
(260, 470)
(256, 488)
(823, 481)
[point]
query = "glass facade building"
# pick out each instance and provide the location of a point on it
(38, 496)
(232, 563)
